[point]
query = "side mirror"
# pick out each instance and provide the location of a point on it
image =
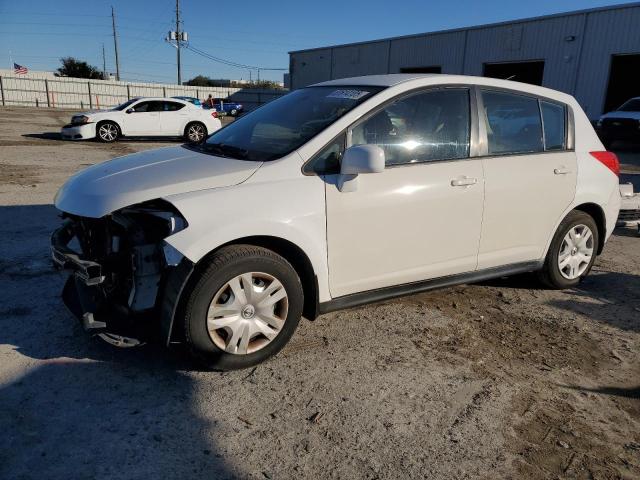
(356, 160)
(130, 110)
(362, 159)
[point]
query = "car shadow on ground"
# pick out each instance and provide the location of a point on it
(84, 409)
(58, 136)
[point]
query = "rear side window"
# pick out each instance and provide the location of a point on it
(513, 123)
(172, 106)
(554, 121)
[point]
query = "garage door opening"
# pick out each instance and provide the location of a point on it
(431, 69)
(526, 72)
(623, 81)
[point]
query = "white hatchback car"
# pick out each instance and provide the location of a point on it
(144, 117)
(335, 195)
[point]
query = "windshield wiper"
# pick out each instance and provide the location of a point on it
(227, 150)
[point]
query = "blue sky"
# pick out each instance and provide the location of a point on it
(39, 32)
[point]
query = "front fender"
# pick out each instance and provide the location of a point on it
(291, 209)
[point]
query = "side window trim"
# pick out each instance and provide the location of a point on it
(473, 119)
(483, 141)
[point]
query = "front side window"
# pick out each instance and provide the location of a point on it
(283, 125)
(423, 127)
(554, 123)
(142, 107)
(513, 123)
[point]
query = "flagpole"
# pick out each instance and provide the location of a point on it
(10, 61)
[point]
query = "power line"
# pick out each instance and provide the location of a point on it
(231, 63)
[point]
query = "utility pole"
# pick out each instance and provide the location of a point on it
(178, 38)
(115, 43)
(104, 64)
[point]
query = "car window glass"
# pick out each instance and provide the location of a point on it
(283, 125)
(327, 161)
(141, 107)
(554, 123)
(172, 106)
(420, 128)
(513, 123)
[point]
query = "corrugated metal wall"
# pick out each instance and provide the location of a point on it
(576, 49)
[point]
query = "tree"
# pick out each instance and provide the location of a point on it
(203, 81)
(78, 69)
(200, 81)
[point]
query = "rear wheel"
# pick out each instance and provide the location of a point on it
(572, 251)
(195, 132)
(243, 308)
(107, 132)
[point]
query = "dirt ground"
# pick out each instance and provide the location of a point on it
(498, 380)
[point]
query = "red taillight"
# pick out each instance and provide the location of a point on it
(214, 114)
(609, 160)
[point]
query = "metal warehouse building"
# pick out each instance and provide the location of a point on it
(592, 54)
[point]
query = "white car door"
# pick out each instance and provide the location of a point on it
(421, 217)
(173, 118)
(143, 118)
(530, 176)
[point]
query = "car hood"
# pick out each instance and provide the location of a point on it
(109, 186)
(634, 115)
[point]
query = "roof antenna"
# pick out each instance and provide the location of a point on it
(512, 76)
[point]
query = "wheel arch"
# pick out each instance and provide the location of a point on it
(115, 122)
(596, 212)
(191, 121)
(291, 252)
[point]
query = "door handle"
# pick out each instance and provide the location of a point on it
(561, 171)
(463, 182)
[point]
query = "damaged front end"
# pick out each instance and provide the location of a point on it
(120, 266)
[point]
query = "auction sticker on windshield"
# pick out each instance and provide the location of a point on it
(348, 94)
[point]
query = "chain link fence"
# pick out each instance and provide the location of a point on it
(98, 94)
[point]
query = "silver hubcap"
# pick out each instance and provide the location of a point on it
(108, 132)
(247, 313)
(576, 252)
(196, 133)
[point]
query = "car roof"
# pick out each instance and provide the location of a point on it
(415, 80)
(168, 99)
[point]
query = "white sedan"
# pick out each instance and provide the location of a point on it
(166, 117)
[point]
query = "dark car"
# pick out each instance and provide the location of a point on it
(621, 124)
(230, 108)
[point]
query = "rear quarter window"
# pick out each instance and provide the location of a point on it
(554, 120)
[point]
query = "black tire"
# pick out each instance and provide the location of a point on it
(234, 112)
(223, 266)
(195, 132)
(107, 132)
(550, 274)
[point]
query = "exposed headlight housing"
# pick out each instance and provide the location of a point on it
(79, 119)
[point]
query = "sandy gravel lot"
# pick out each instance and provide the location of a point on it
(497, 380)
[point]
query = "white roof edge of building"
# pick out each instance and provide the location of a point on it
(476, 27)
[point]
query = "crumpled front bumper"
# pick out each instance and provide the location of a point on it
(83, 294)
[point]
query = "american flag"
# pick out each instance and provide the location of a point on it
(19, 69)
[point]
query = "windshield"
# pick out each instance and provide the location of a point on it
(285, 124)
(125, 104)
(632, 105)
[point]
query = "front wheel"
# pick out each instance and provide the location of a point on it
(195, 132)
(243, 308)
(107, 132)
(572, 251)
(234, 112)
